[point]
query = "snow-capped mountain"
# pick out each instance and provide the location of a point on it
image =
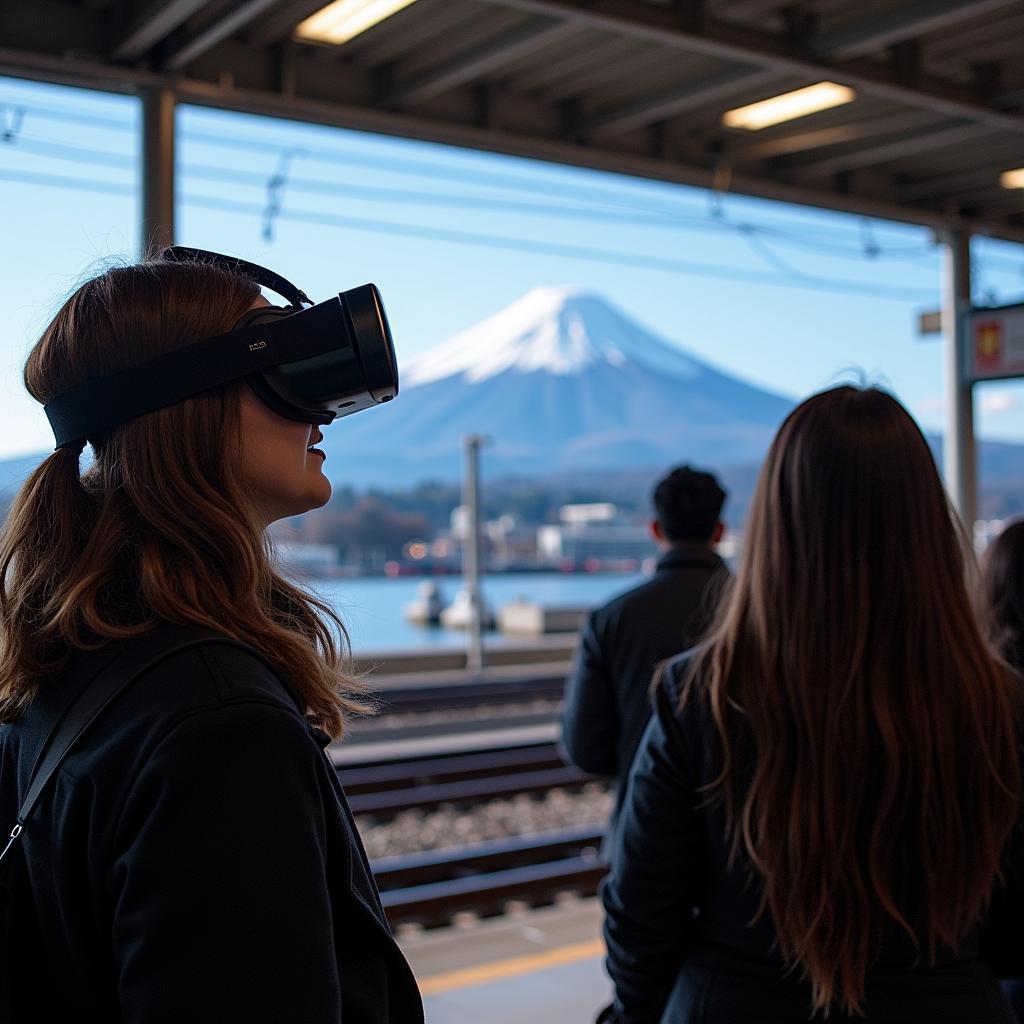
(560, 379)
(563, 331)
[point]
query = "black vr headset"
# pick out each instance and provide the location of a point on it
(307, 363)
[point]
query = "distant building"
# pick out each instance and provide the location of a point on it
(504, 541)
(593, 532)
(594, 512)
(314, 559)
(510, 542)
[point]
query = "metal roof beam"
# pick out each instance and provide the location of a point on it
(156, 22)
(281, 21)
(747, 9)
(860, 36)
(338, 110)
(482, 59)
(731, 43)
(940, 186)
(904, 144)
(820, 138)
(235, 18)
(675, 100)
(896, 24)
(444, 20)
(548, 75)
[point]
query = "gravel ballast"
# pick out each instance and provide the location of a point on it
(415, 831)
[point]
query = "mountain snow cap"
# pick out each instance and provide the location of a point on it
(559, 330)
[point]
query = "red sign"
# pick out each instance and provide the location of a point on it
(996, 342)
(988, 344)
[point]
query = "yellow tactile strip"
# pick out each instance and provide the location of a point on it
(513, 967)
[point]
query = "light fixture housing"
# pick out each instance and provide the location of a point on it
(343, 20)
(1012, 179)
(788, 106)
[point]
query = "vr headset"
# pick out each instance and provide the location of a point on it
(309, 363)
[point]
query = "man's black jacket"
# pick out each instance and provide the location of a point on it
(195, 859)
(607, 700)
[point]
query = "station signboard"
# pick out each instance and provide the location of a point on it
(995, 340)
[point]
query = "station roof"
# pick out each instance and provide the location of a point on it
(633, 86)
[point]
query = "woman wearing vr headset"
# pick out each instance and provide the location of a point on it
(193, 858)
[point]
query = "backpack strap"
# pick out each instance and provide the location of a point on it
(134, 661)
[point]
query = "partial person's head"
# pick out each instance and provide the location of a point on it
(168, 520)
(849, 504)
(1003, 589)
(688, 508)
(867, 733)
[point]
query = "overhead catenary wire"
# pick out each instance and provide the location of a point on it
(316, 217)
(661, 220)
(556, 249)
(321, 218)
(574, 194)
(605, 206)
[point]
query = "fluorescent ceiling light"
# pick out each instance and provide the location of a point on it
(1012, 179)
(788, 106)
(344, 19)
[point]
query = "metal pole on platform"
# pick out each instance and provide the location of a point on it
(158, 106)
(958, 448)
(471, 553)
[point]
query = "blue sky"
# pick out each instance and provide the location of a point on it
(783, 296)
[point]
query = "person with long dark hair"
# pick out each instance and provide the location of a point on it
(821, 819)
(194, 859)
(1003, 587)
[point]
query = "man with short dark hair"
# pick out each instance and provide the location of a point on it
(606, 702)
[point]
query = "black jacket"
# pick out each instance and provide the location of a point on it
(681, 948)
(195, 858)
(607, 699)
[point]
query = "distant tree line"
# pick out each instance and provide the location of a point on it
(385, 520)
(381, 521)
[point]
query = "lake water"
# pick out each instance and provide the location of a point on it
(372, 608)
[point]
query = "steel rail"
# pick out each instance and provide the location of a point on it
(431, 866)
(403, 774)
(456, 696)
(435, 903)
(467, 791)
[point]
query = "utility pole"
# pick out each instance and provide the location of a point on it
(157, 228)
(958, 445)
(471, 552)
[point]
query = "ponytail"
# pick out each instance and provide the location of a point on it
(47, 528)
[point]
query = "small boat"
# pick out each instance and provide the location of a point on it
(457, 614)
(426, 608)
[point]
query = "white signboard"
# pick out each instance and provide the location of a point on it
(995, 339)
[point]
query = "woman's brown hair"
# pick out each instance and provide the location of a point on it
(867, 735)
(1003, 588)
(160, 527)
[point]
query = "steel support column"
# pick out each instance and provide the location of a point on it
(158, 106)
(471, 552)
(958, 448)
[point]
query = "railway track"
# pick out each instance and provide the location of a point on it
(439, 710)
(457, 696)
(400, 773)
(430, 888)
(384, 790)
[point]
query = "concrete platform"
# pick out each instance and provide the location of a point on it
(535, 966)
